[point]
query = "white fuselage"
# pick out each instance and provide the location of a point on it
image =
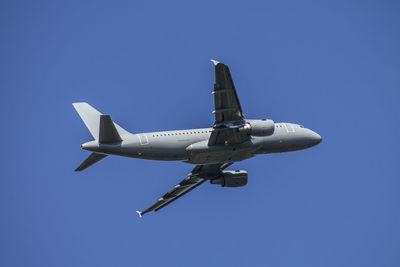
(191, 145)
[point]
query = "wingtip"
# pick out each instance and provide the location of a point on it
(139, 213)
(215, 62)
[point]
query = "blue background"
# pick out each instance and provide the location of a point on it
(332, 66)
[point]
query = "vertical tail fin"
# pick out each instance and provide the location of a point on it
(91, 118)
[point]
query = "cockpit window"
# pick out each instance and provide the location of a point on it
(301, 126)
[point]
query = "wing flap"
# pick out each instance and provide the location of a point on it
(171, 196)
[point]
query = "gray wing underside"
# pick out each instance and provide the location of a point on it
(227, 105)
(198, 176)
(228, 111)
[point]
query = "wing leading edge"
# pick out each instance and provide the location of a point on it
(198, 176)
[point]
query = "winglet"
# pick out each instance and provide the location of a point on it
(215, 62)
(139, 213)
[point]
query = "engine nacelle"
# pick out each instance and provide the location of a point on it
(231, 179)
(262, 127)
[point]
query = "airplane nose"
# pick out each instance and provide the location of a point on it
(315, 138)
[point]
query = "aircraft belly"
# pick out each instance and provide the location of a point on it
(201, 153)
(282, 141)
(166, 151)
(162, 153)
(219, 157)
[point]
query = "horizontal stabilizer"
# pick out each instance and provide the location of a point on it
(108, 133)
(92, 159)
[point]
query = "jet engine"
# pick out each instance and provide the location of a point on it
(231, 179)
(262, 127)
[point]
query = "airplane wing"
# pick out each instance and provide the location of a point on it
(198, 175)
(228, 112)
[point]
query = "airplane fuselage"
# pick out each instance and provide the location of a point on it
(191, 145)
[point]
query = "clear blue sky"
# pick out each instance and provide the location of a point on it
(333, 66)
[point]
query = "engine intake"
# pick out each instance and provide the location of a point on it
(231, 179)
(262, 127)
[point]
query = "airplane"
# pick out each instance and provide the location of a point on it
(232, 138)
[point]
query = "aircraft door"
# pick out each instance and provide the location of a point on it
(289, 128)
(143, 139)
